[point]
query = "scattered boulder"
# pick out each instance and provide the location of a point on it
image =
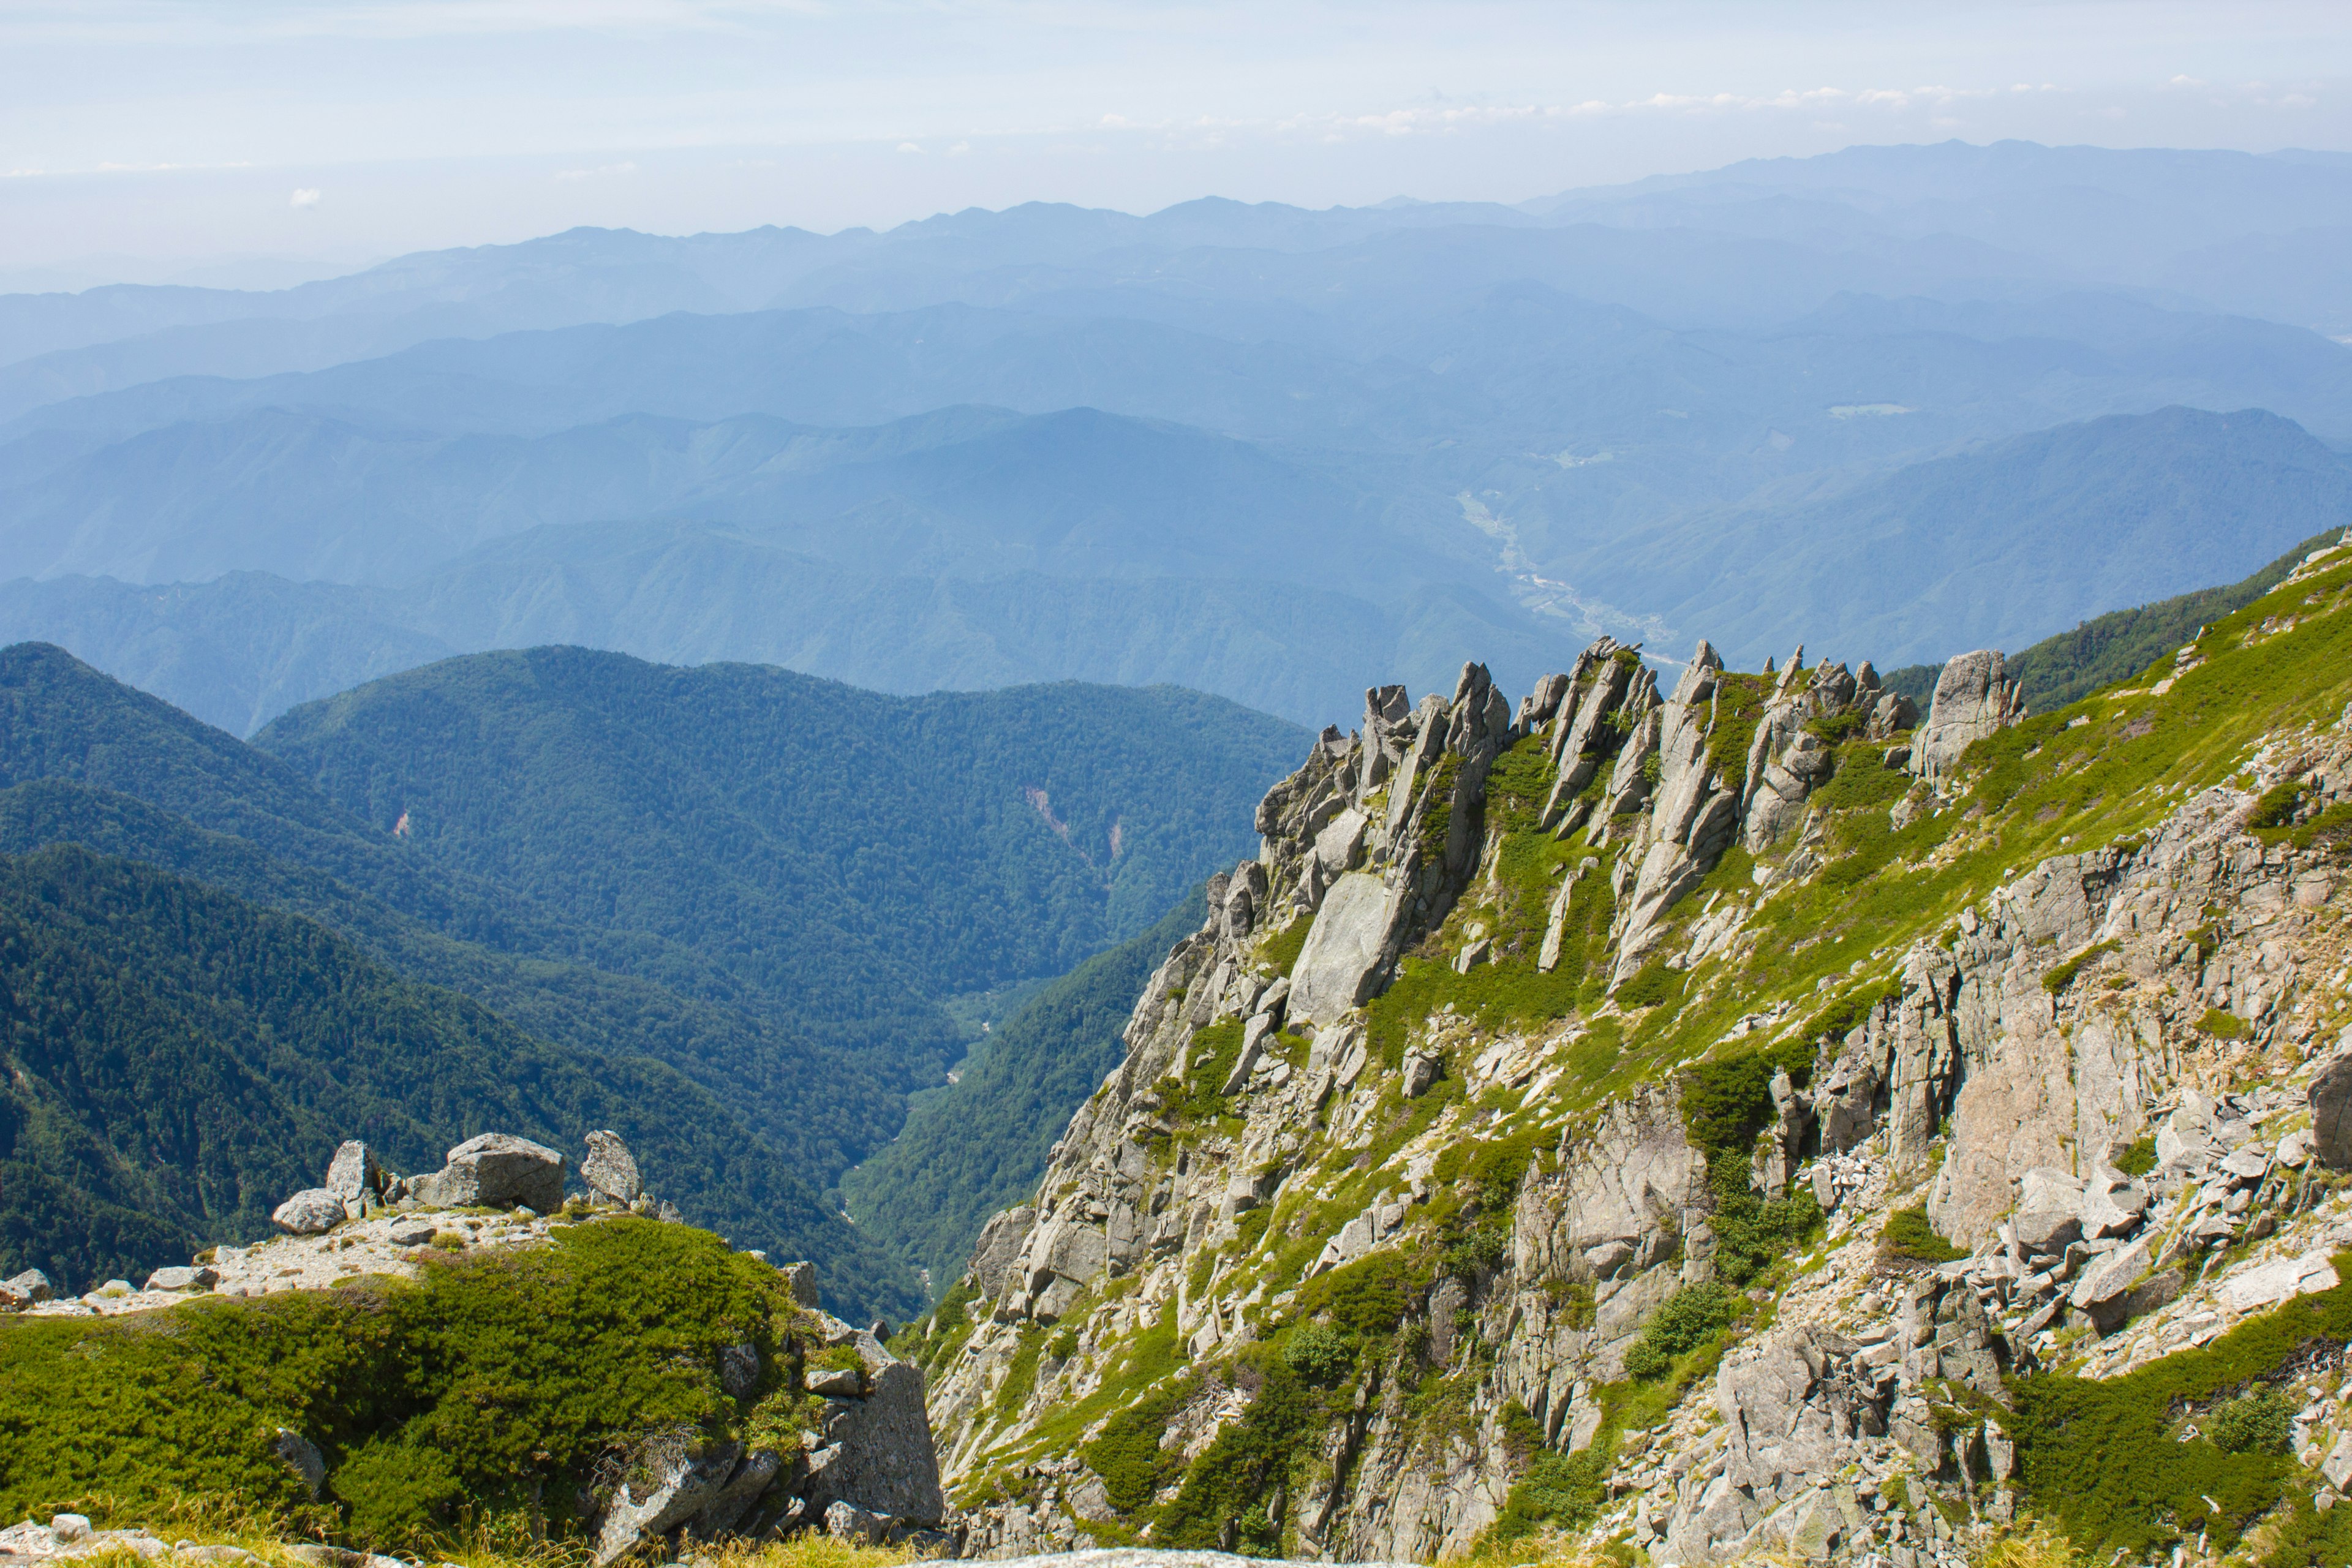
(847, 1521)
(610, 1171)
(496, 1170)
(2100, 1294)
(1420, 1073)
(311, 1212)
(2044, 1233)
(2269, 1284)
(837, 1382)
(33, 1285)
(668, 1488)
(355, 1176)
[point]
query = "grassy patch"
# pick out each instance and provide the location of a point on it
(2057, 979)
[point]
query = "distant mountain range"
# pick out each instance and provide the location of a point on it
(1278, 454)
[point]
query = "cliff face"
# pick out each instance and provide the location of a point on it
(1565, 1118)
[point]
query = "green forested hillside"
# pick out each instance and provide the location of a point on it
(857, 853)
(768, 884)
(179, 1060)
(936, 1184)
(85, 759)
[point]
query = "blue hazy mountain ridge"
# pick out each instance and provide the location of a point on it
(1995, 547)
(2258, 233)
(2073, 209)
(2190, 497)
(382, 471)
(614, 275)
(244, 647)
(971, 492)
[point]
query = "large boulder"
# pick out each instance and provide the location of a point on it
(664, 1490)
(610, 1171)
(877, 1450)
(495, 1171)
(1339, 966)
(308, 1212)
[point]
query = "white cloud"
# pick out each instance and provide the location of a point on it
(305, 197)
(606, 171)
(910, 146)
(958, 149)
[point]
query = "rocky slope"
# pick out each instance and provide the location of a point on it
(1712, 1115)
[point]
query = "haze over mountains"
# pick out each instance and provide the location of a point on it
(1276, 454)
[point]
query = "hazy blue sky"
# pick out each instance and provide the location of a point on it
(159, 131)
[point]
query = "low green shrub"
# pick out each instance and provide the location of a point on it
(1907, 1234)
(1318, 1354)
(1283, 948)
(2058, 979)
(1367, 1298)
(2138, 1158)
(1559, 1491)
(1682, 1321)
(2222, 1023)
(2260, 1421)
(1127, 1455)
(1222, 1505)
(2277, 806)
(1652, 985)
(2106, 1458)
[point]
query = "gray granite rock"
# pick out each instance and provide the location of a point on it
(610, 1171)
(309, 1213)
(496, 1170)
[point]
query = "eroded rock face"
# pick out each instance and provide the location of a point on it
(1995, 1071)
(1974, 699)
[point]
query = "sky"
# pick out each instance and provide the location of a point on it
(258, 142)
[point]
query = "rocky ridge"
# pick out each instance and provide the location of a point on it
(1536, 1027)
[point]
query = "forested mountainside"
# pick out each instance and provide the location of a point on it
(807, 1023)
(1728, 1115)
(797, 831)
(179, 1060)
(974, 1146)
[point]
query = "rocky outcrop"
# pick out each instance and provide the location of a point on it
(1974, 699)
(869, 1474)
(1991, 1076)
(610, 1171)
